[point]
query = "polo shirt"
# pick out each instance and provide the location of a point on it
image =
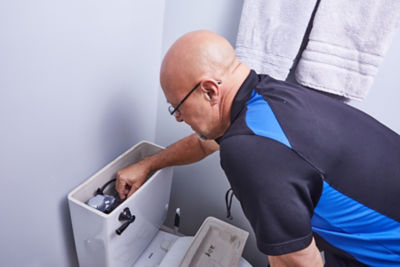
(303, 164)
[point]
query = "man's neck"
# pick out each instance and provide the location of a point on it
(236, 79)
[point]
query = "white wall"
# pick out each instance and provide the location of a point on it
(78, 86)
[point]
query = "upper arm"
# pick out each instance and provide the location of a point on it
(208, 146)
(276, 188)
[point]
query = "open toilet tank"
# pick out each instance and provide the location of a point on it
(96, 241)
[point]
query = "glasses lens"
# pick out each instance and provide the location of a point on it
(174, 111)
(171, 109)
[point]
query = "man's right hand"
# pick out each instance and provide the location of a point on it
(187, 150)
(131, 178)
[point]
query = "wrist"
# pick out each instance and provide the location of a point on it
(149, 164)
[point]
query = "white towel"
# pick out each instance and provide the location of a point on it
(270, 34)
(347, 42)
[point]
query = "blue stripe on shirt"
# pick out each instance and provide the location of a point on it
(369, 236)
(262, 121)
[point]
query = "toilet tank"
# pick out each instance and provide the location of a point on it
(96, 241)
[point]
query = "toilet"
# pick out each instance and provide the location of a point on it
(133, 234)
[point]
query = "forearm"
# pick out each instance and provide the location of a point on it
(187, 150)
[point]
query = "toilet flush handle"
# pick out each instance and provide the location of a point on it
(125, 216)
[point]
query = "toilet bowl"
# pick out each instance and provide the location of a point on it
(110, 240)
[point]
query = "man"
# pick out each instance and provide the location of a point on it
(303, 165)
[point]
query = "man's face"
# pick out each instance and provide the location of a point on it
(196, 111)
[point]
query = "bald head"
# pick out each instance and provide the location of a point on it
(206, 62)
(194, 56)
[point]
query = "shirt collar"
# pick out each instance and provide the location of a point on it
(243, 94)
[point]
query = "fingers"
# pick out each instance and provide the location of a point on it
(123, 188)
(130, 179)
(120, 186)
(133, 189)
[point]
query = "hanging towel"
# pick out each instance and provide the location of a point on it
(346, 45)
(270, 34)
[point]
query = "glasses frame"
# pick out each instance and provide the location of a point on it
(172, 109)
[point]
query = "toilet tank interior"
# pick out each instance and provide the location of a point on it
(137, 153)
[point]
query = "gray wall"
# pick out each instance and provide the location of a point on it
(78, 86)
(199, 189)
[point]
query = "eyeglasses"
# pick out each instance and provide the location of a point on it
(174, 110)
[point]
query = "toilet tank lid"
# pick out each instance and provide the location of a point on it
(215, 241)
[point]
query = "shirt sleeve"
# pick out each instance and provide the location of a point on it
(277, 190)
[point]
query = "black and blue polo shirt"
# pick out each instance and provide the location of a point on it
(304, 164)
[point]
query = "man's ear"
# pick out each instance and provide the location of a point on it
(211, 90)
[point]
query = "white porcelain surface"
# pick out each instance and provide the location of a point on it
(96, 242)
